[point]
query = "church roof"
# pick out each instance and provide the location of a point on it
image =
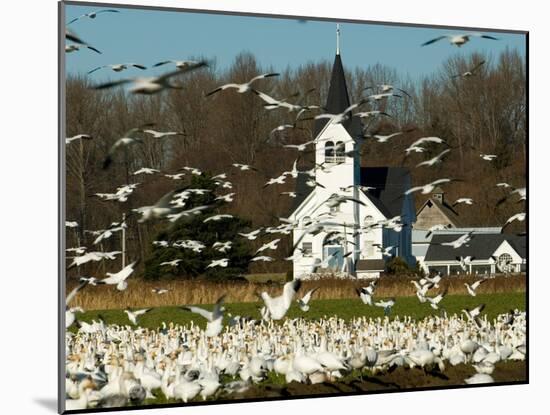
(389, 182)
(450, 214)
(338, 100)
(481, 246)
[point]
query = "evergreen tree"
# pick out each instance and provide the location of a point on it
(194, 264)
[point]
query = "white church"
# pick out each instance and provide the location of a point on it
(350, 247)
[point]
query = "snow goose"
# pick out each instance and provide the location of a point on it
(434, 301)
(251, 235)
(133, 315)
(471, 288)
(162, 134)
(270, 245)
(469, 72)
(463, 200)
(520, 217)
(278, 306)
(244, 167)
(93, 15)
(214, 325)
(151, 85)
(479, 378)
(303, 302)
(74, 48)
(69, 140)
(119, 278)
(180, 64)
(145, 170)
(118, 67)
(462, 240)
(427, 188)
(242, 88)
(386, 305)
(435, 160)
(488, 157)
(458, 39)
(218, 263)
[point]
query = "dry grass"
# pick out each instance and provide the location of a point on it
(139, 294)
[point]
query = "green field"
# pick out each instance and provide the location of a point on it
(344, 308)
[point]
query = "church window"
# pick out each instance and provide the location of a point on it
(340, 152)
(307, 248)
(329, 152)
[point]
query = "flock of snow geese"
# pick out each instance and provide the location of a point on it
(115, 365)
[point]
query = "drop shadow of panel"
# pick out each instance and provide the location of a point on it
(48, 403)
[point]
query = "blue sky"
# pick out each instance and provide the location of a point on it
(146, 37)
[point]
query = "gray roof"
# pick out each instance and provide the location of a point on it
(390, 183)
(481, 246)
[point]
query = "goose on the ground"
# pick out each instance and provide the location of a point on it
(242, 88)
(459, 39)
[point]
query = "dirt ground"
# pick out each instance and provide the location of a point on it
(399, 378)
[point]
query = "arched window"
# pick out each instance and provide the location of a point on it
(368, 221)
(504, 263)
(340, 152)
(329, 152)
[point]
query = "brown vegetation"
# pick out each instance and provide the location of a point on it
(139, 294)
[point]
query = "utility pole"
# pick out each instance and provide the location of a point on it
(123, 240)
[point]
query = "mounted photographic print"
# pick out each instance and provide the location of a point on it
(260, 207)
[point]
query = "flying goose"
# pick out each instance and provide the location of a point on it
(214, 325)
(462, 240)
(471, 288)
(217, 218)
(427, 188)
(341, 117)
(458, 40)
(465, 200)
(242, 88)
(123, 143)
(276, 180)
(73, 48)
(180, 64)
(70, 312)
(218, 263)
(270, 245)
(520, 217)
(464, 261)
(151, 85)
(174, 263)
(384, 138)
(164, 209)
(251, 235)
(488, 157)
(386, 305)
(469, 72)
(436, 160)
(278, 306)
(434, 301)
(93, 15)
(303, 303)
(133, 315)
(145, 170)
(244, 167)
(163, 134)
(118, 67)
(69, 140)
(299, 147)
(272, 103)
(119, 278)
(263, 258)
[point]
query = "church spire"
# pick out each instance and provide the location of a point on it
(337, 38)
